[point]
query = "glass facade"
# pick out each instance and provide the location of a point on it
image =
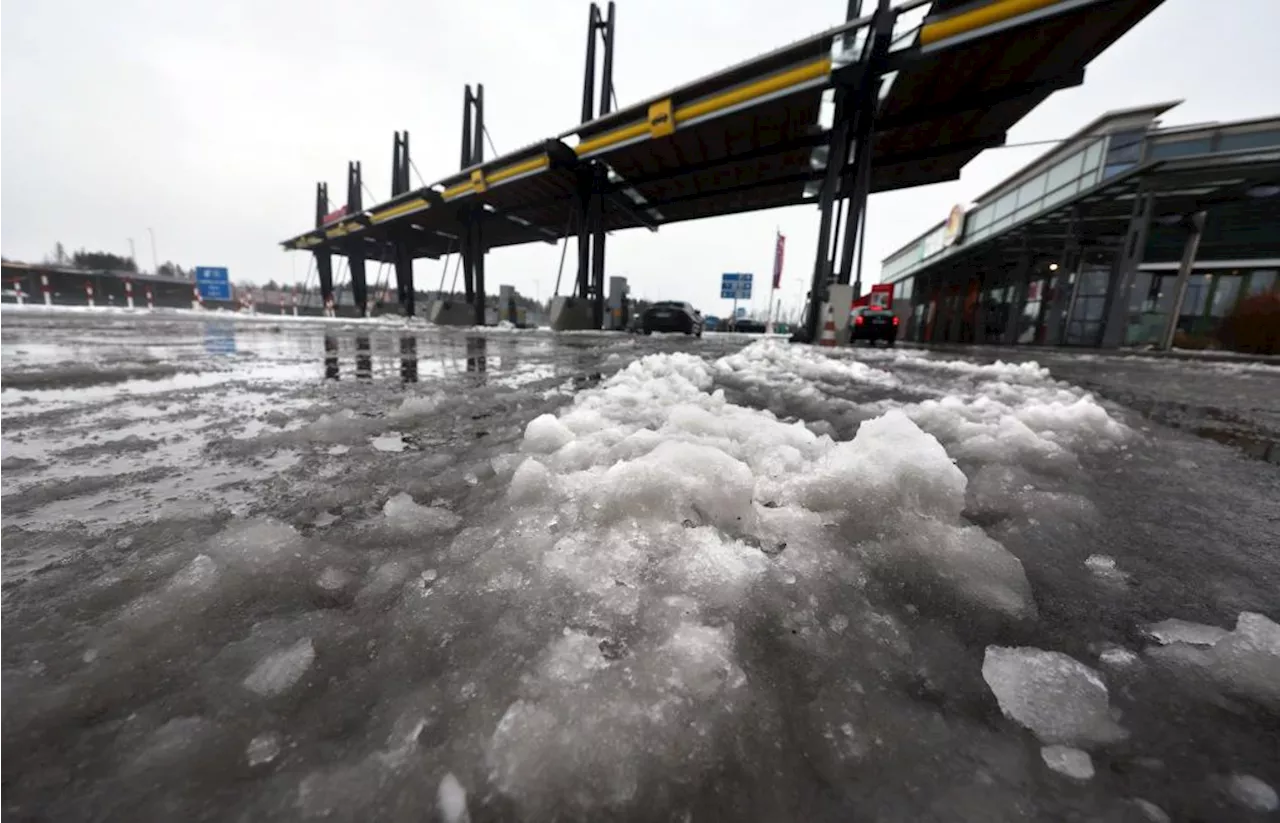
(948, 300)
(1211, 297)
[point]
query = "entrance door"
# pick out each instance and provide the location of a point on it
(1084, 324)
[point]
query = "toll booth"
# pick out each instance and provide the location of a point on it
(616, 318)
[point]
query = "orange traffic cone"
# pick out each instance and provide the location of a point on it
(828, 337)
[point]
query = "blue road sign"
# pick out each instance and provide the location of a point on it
(735, 286)
(214, 283)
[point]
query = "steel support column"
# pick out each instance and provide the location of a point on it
(1135, 246)
(355, 258)
(1021, 279)
(472, 230)
(402, 253)
(593, 176)
(1068, 269)
(866, 101)
(837, 150)
(1194, 226)
(324, 260)
(597, 252)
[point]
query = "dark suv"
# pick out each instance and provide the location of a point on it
(672, 316)
(871, 324)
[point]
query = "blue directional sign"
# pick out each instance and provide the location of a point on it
(213, 282)
(735, 286)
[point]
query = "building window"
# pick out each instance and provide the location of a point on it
(1249, 140)
(1124, 150)
(1226, 292)
(1179, 148)
(1029, 320)
(1262, 281)
(1065, 171)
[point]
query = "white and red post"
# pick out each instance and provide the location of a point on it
(197, 302)
(295, 299)
(128, 293)
(281, 300)
(18, 293)
(44, 287)
(88, 291)
(779, 250)
(151, 303)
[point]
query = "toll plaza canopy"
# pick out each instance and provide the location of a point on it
(903, 96)
(752, 136)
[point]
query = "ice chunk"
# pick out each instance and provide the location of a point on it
(389, 442)
(1073, 763)
(256, 545)
(1057, 697)
(890, 465)
(263, 749)
(172, 741)
(403, 513)
(1252, 793)
(676, 480)
(333, 579)
(1245, 662)
(1117, 657)
(452, 800)
(1174, 630)
(977, 567)
(1249, 658)
(546, 434)
(278, 672)
(413, 406)
(530, 483)
(1150, 810)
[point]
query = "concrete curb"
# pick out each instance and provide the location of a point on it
(1176, 354)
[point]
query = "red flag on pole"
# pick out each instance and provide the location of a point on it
(778, 252)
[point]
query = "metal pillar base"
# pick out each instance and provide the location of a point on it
(572, 314)
(451, 313)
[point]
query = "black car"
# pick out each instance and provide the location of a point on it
(871, 323)
(672, 316)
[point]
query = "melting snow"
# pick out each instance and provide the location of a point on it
(402, 512)
(278, 672)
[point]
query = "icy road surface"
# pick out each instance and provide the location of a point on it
(332, 572)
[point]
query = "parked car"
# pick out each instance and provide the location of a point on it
(872, 323)
(673, 316)
(747, 326)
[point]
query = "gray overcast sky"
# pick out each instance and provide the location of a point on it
(211, 122)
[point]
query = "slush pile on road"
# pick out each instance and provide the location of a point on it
(756, 584)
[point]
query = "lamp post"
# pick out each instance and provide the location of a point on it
(155, 261)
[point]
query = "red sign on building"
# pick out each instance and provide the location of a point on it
(336, 214)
